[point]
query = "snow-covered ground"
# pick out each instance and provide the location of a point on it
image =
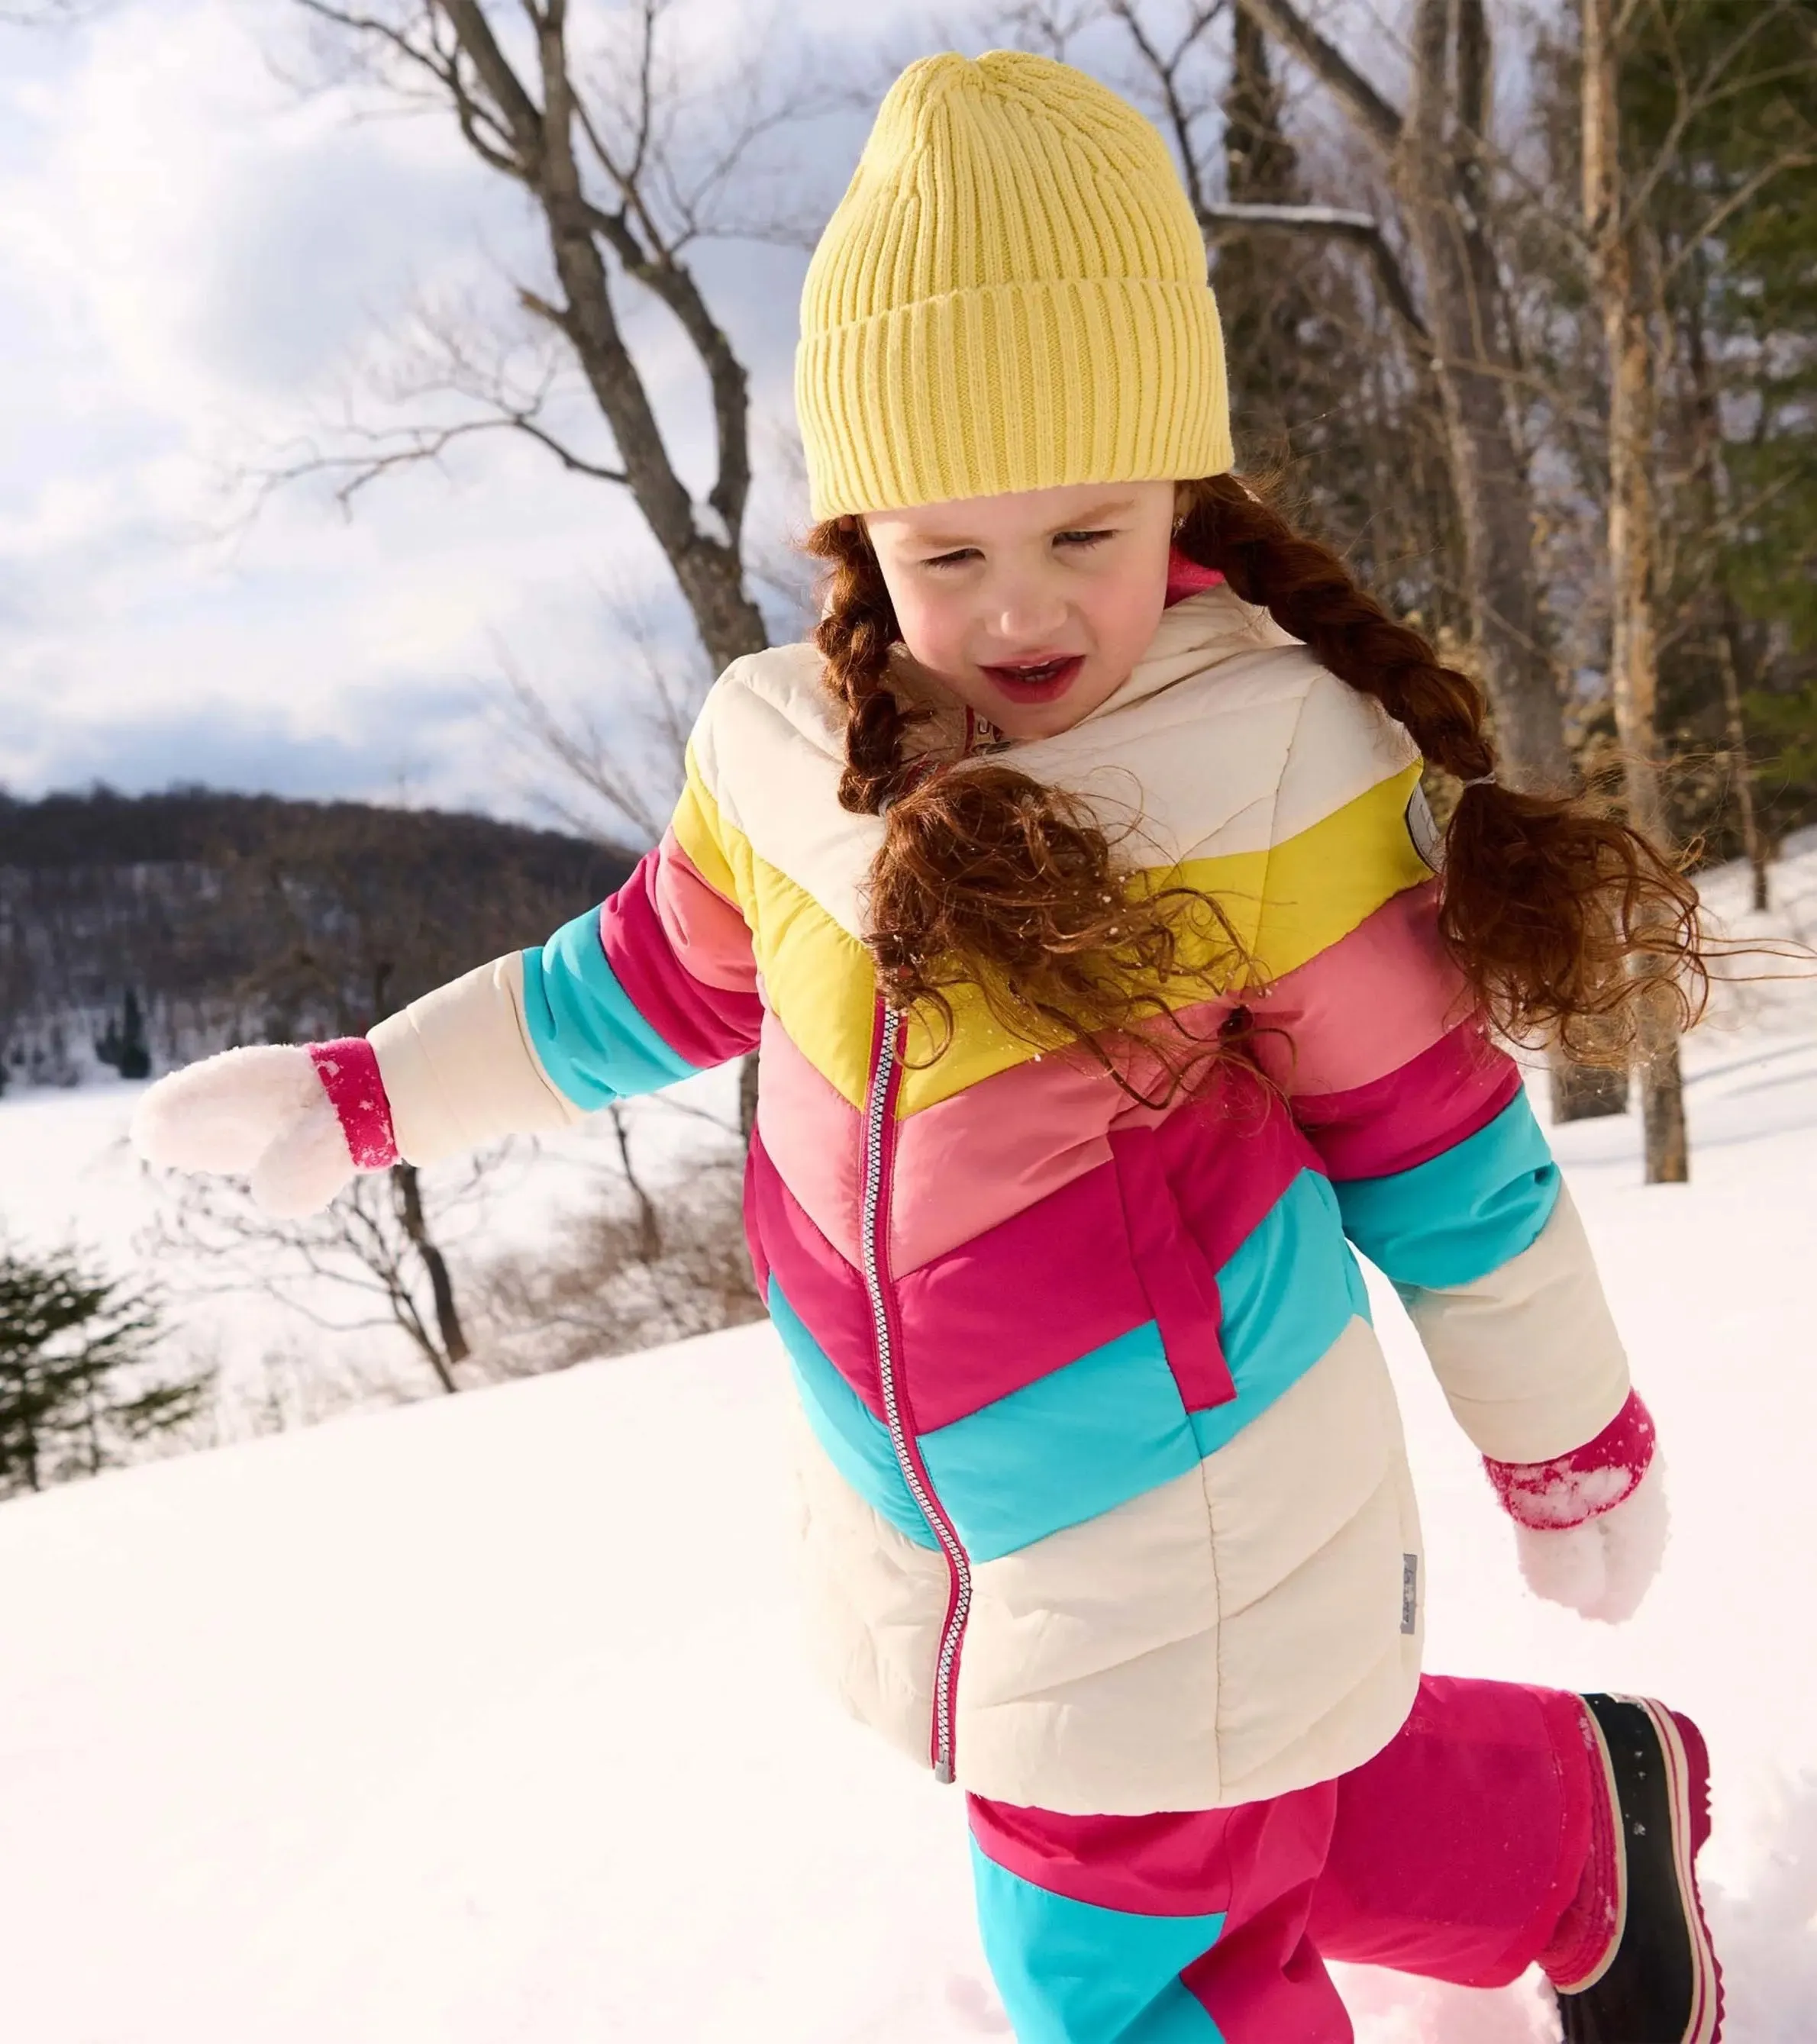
(482, 1720)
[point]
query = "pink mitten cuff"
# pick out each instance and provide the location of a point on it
(349, 1074)
(1574, 1488)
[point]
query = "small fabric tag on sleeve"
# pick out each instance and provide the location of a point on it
(1423, 827)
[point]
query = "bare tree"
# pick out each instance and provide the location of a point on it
(372, 1260)
(1633, 277)
(1633, 652)
(599, 157)
(649, 1262)
(1436, 156)
(624, 195)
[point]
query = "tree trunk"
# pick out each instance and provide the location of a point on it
(1438, 173)
(1709, 433)
(453, 1336)
(1586, 1092)
(1741, 765)
(707, 565)
(1633, 652)
(649, 1221)
(747, 1098)
(1434, 154)
(1662, 1095)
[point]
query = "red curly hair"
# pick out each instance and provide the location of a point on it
(1565, 922)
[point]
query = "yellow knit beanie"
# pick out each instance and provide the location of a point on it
(1011, 295)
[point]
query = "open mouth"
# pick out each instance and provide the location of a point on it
(1038, 681)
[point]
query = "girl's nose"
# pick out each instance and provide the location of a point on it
(1028, 612)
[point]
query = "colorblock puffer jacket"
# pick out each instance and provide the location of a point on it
(1103, 1494)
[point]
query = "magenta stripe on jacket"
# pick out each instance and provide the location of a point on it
(703, 1022)
(1227, 1157)
(1139, 1238)
(1410, 1115)
(966, 1318)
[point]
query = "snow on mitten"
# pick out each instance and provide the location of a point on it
(1590, 1526)
(298, 1119)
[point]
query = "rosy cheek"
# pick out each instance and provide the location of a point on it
(932, 636)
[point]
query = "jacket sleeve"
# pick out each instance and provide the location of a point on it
(1442, 1175)
(657, 984)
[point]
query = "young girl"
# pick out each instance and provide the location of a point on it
(1111, 979)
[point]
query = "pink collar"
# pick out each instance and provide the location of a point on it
(1186, 577)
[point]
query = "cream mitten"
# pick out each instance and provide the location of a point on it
(1590, 1526)
(273, 1113)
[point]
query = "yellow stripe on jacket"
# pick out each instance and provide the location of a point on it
(1286, 904)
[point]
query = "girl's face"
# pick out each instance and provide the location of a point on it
(1032, 608)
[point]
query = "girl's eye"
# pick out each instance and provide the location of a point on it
(958, 559)
(1083, 539)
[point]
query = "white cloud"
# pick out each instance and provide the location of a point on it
(195, 262)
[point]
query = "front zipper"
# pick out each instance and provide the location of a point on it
(879, 1156)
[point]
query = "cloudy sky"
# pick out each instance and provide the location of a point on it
(204, 267)
(212, 256)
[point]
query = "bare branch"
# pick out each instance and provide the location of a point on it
(1744, 194)
(1050, 27)
(1328, 63)
(1429, 99)
(521, 114)
(527, 125)
(409, 446)
(1336, 223)
(1473, 75)
(426, 51)
(635, 778)
(1166, 70)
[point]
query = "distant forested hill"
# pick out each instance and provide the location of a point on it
(246, 918)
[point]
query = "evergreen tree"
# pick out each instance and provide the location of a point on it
(76, 1394)
(135, 1058)
(1717, 98)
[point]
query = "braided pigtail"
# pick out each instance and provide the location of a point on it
(989, 878)
(1566, 923)
(854, 636)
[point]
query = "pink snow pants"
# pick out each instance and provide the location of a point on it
(1454, 1853)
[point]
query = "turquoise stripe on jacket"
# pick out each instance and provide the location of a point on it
(1462, 1214)
(1102, 1429)
(1286, 1294)
(1080, 1441)
(858, 1443)
(584, 1028)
